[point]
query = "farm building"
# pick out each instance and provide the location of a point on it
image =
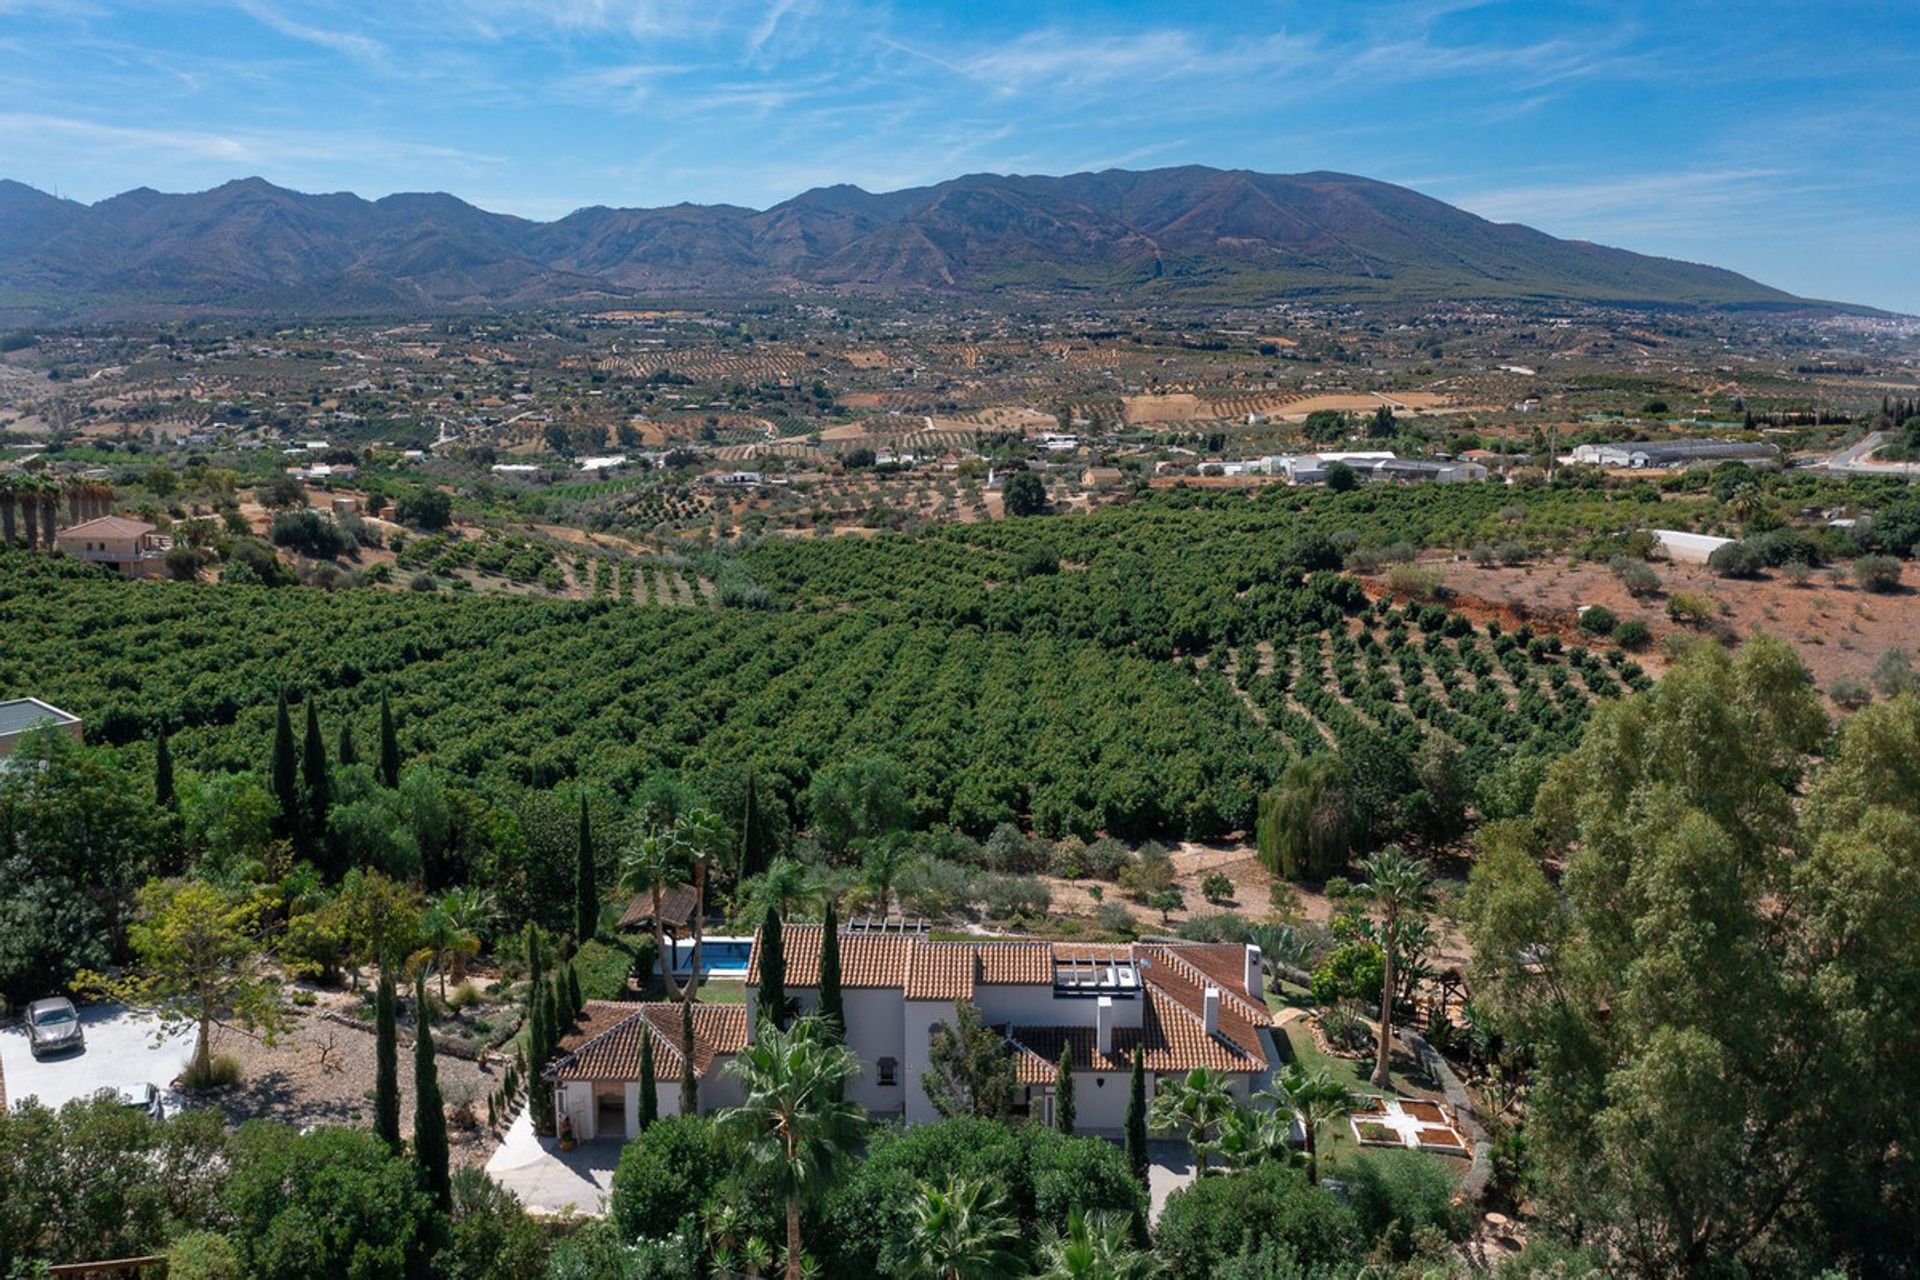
(1671, 453)
(131, 546)
(1687, 548)
(22, 716)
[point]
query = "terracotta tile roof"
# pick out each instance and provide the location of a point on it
(866, 959)
(604, 1044)
(1223, 962)
(1014, 963)
(109, 527)
(942, 971)
(678, 902)
(1173, 983)
(1171, 1038)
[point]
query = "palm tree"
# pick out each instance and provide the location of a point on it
(1197, 1104)
(447, 942)
(1745, 502)
(887, 858)
(961, 1231)
(472, 912)
(9, 494)
(783, 885)
(1398, 886)
(1095, 1246)
(703, 838)
(49, 509)
(1252, 1136)
(650, 860)
(1316, 1099)
(793, 1121)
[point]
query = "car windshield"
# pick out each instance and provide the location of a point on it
(47, 1016)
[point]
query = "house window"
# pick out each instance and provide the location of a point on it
(888, 1068)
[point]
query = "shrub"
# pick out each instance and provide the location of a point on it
(1104, 858)
(1513, 554)
(1734, 560)
(1414, 581)
(1149, 874)
(1216, 886)
(222, 1070)
(1632, 634)
(604, 967)
(1597, 620)
(665, 1174)
(1637, 576)
(1692, 608)
(1877, 573)
(1398, 1194)
(203, 1255)
(1209, 1222)
(1004, 897)
(1893, 674)
(1850, 692)
(328, 1202)
(1113, 917)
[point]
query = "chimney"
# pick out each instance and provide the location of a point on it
(1210, 1018)
(1256, 976)
(1103, 1026)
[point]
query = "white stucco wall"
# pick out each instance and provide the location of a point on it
(918, 1019)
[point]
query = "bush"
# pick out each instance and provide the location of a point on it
(1211, 1221)
(1692, 609)
(1398, 1194)
(428, 508)
(1149, 874)
(1734, 560)
(1216, 886)
(1637, 576)
(604, 967)
(1113, 917)
(1632, 634)
(310, 534)
(1598, 620)
(203, 1255)
(1414, 581)
(665, 1174)
(328, 1202)
(1850, 692)
(1004, 897)
(1877, 573)
(222, 1071)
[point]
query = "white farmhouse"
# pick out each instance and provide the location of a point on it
(1181, 1005)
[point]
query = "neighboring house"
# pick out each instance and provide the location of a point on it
(1184, 1005)
(131, 546)
(22, 716)
(1101, 478)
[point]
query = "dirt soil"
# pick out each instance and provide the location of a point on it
(1252, 884)
(320, 1072)
(1837, 628)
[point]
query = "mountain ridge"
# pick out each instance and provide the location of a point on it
(1183, 232)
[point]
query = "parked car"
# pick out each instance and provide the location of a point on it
(53, 1026)
(138, 1097)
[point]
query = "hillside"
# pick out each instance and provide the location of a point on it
(1191, 232)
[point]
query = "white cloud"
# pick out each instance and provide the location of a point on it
(353, 44)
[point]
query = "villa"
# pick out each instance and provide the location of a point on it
(1182, 1005)
(131, 546)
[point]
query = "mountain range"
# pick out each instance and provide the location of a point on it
(1184, 232)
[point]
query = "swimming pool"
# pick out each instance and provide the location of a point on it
(720, 957)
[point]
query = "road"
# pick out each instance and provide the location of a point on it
(1852, 460)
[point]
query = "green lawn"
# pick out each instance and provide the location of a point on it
(1337, 1143)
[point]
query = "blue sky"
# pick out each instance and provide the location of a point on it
(1776, 138)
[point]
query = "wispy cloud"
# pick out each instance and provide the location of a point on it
(354, 44)
(1666, 203)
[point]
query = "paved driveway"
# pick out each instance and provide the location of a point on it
(549, 1180)
(120, 1051)
(1169, 1168)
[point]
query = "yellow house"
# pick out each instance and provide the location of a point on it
(131, 546)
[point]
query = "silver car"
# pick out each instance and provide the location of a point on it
(53, 1026)
(137, 1097)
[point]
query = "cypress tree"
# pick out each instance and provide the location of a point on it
(1063, 1091)
(575, 1004)
(386, 1065)
(163, 793)
(389, 747)
(348, 753)
(319, 788)
(285, 774)
(689, 1086)
(649, 1086)
(429, 1110)
(753, 851)
(557, 1019)
(832, 1008)
(586, 890)
(535, 957)
(1136, 1123)
(772, 1009)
